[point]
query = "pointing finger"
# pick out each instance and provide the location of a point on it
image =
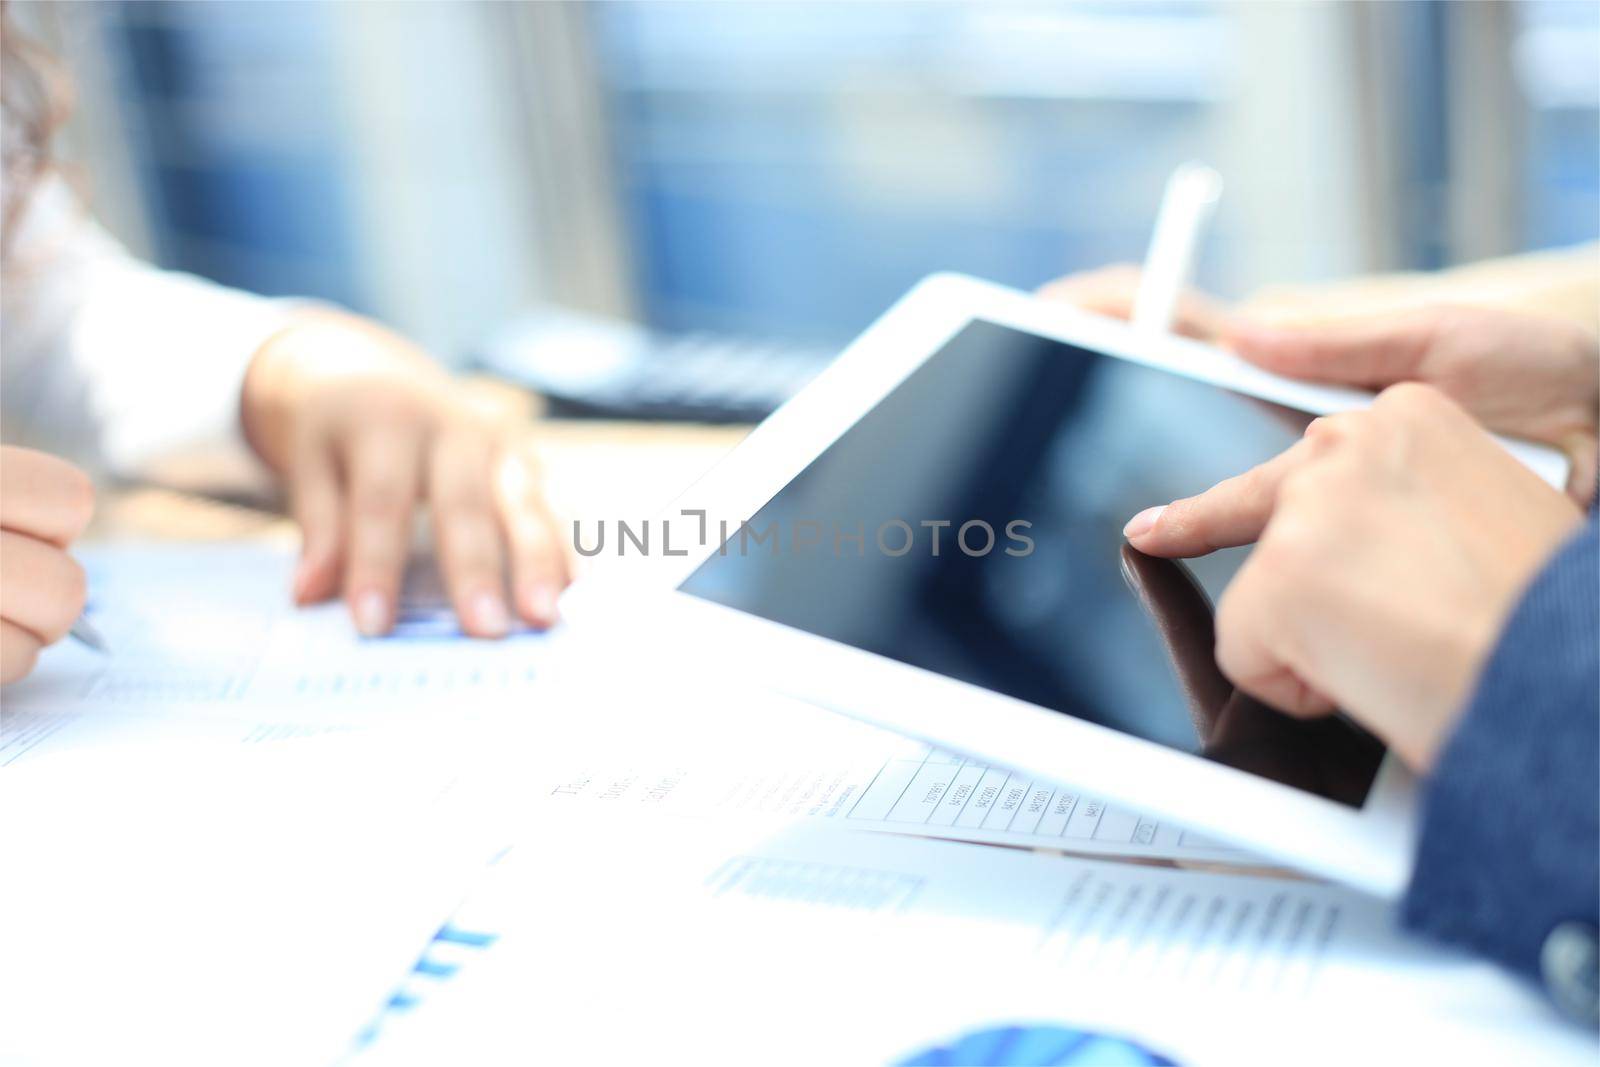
(1232, 512)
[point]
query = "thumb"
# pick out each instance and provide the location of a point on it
(1370, 352)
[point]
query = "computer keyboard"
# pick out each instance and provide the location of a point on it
(589, 365)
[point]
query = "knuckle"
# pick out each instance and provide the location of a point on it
(1325, 432)
(1256, 482)
(1406, 397)
(1317, 427)
(377, 545)
(395, 410)
(1450, 325)
(1177, 518)
(1288, 546)
(464, 519)
(1346, 432)
(469, 540)
(77, 498)
(380, 499)
(1439, 320)
(470, 495)
(471, 563)
(465, 576)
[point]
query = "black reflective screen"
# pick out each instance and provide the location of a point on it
(1001, 428)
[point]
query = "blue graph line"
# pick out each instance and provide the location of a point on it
(435, 969)
(455, 936)
(409, 995)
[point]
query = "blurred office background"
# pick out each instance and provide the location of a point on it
(786, 169)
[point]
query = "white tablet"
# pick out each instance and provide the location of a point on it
(929, 538)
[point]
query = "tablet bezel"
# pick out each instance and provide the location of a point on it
(636, 598)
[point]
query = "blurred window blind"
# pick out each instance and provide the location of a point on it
(236, 134)
(792, 168)
(1556, 57)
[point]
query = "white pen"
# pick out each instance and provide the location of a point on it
(1186, 207)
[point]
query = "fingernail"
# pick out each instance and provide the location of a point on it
(489, 615)
(542, 602)
(372, 614)
(1143, 522)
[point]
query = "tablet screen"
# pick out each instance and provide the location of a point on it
(971, 524)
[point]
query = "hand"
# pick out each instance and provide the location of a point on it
(362, 427)
(1326, 756)
(1111, 291)
(44, 504)
(1391, 545)
(1517, 373)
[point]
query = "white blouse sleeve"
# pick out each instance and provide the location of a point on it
(112, 363)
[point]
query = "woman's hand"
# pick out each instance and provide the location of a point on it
(44, 505)
(1517, 373)
(363, 427)
(1391, 546)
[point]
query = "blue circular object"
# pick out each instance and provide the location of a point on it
(1037, 1046)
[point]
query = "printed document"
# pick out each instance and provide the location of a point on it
(807, 946)
(726, 753)
(205, 639)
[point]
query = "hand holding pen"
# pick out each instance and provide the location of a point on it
(45, 505)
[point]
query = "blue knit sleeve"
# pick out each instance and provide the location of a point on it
(1510, 841)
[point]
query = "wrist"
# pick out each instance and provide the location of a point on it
(1459, 663)
(319, 350)
(1476, 628)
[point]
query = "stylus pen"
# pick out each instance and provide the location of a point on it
(1186, 207)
